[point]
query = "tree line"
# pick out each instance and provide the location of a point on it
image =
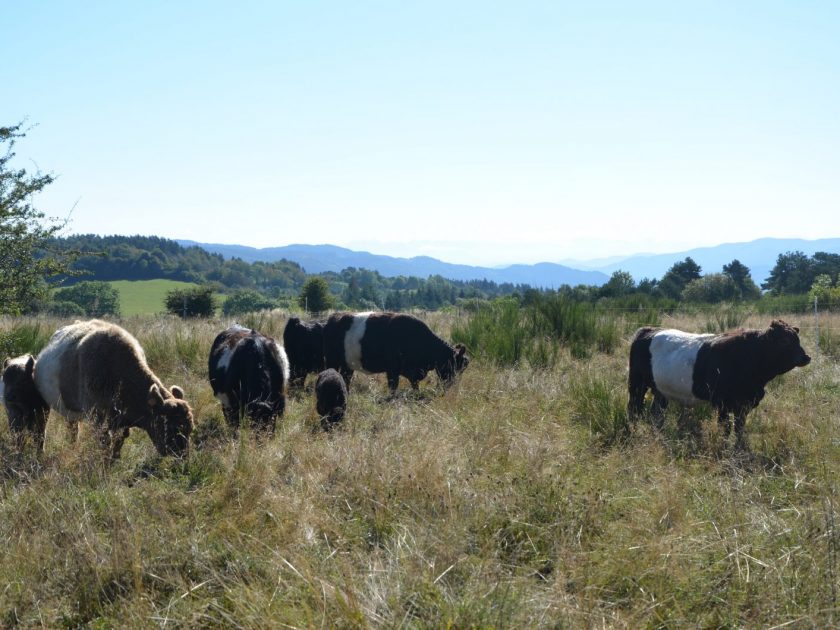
(42, 271)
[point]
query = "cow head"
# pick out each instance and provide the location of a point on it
(263, 413)
(172, 421)
(21, 398)
(455, 364)
(782, 347)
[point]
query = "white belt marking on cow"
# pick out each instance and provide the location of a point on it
(353, 341)
(225, 358)
(673, 355)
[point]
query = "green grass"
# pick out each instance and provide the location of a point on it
(146, 297)
(514, 499)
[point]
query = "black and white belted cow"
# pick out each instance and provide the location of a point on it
(397, 344)
(249, 373)
(729, 370)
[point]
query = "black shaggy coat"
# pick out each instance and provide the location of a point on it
(248, 373)
(304, 344)
(394, 343)
(330, 397)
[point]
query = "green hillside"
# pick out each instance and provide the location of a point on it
(146, 297)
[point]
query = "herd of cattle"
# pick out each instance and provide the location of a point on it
(96, 370)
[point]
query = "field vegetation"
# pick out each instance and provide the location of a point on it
(518, 498)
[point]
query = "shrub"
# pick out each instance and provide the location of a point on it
(247, 301)
(197, 302)
(94, 298)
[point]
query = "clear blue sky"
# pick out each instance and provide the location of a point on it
(477, 132)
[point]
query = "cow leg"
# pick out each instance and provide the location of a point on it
(232, 416)
(637, 388)
(118, 436)
(73, 430)
(657, 410)
(40, 429)
(393, 381)
(740, 421)
(723, 422)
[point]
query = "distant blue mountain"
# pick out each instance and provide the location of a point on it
(759, 255)
(320, 258)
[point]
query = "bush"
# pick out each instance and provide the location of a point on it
(507, 334)
(94, 298)
(63, 309)
(24, 339)
(315, 296)
(197, 302)
(247, 301)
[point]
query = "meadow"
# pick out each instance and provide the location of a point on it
(514, 499)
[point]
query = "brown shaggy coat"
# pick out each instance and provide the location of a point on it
(97, 370)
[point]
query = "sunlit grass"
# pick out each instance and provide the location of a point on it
(513, 499)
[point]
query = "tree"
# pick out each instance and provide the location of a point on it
(620, 283)
(711, 288)
(677, 277)
(95, 298)
(740, 275)
(315, 296)
(793, 273)
(26, 262)
(247, 301)
(195, 302)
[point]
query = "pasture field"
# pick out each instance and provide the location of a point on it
(147, 297)
(512, 500)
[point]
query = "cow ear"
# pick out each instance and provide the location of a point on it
(30, 365)
(796, 329)
(177, 392)
(461, 348)
(155, 399)
(6, 363)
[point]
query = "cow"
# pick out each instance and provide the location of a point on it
(304, 344)
(330, 397)
(97, 370)
(729, 370)
(25, 407)
(394, 343)
(249, 373)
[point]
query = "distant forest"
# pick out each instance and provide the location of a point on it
(149, 257)
(108, 258)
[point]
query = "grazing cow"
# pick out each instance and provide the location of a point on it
(730, 370)
(25, 408)
(97, 370)
(330, 397)
(248, 374)
(304, 344)
(394, 343)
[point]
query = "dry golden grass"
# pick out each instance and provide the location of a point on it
(504, 502)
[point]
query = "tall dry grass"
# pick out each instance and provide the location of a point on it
(511, 500)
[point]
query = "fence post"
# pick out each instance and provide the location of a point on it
(817, 325)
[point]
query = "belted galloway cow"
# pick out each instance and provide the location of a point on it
(248, 373)
(304, 344)
(397, 344)
(729, 370)
(96, 370)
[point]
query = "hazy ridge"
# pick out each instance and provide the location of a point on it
(759, 255)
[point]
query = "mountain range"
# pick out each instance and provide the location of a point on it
(759, 255)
